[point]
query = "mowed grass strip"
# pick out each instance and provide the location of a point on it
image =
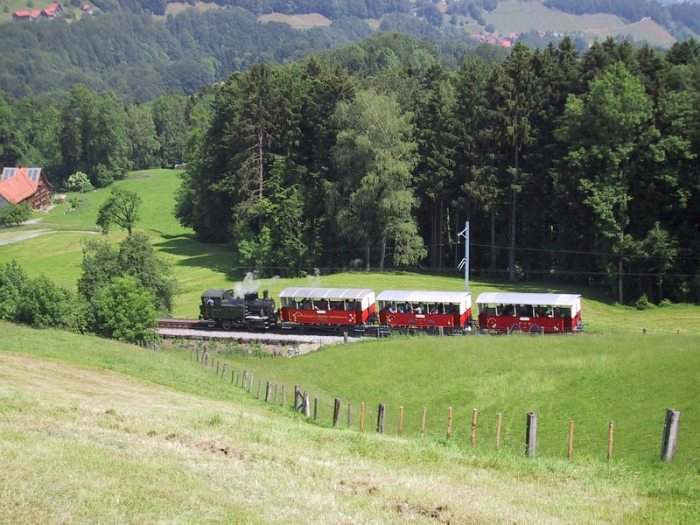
(101, 432)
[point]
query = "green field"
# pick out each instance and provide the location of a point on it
(102, 432)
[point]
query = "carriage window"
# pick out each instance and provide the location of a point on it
(508, 309)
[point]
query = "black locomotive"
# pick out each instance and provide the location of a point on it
(222, 308)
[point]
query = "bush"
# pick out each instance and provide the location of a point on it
(15, 214)
(643, 303)
(665, 303)
(79, 181)
(44, 304)
(13, 284)
(124, 310)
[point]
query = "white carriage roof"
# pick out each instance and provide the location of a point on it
(423, 296)
(351, 294)
(554, 299)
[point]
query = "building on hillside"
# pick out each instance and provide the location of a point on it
(51, 12)
(25, 14)
(86, 8)
(24, 184)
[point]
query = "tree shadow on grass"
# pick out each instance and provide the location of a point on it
(191, 253)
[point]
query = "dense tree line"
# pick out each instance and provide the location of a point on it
(579, 166)
(93, 134)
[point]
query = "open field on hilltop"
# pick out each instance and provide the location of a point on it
(98, 431)
(519, 16)
(174, 8)
(305, 21)
(197, 267)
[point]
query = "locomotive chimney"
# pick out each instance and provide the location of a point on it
(264, 294)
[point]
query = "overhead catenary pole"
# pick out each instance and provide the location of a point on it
(465, 261)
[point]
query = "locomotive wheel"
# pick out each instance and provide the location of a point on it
(226, 324)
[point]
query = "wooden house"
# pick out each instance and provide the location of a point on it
(24, 184)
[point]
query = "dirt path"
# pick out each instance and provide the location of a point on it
(13, 237)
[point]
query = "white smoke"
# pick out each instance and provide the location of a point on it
(249, 284)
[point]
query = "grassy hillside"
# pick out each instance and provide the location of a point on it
(101, 432)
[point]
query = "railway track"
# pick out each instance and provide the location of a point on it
(185, 324)
(197, 329)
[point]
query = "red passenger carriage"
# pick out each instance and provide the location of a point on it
(424, 309)
(530, 312)
(344, 307)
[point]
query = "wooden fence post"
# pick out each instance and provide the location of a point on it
(670, 434)
(307, 408)
(336, 411)
(570, 448)
(531, 435)
(275, 394)
(284, 395)
(380, 418)
(250, 381)
(475, 415)
(400, 430)
(499, 422)
(268, 391)
(298, 399)
(315, 407)
(449, 422)
(362, 417)
(422, 421)
(233, 375)
(259, 383)
(224, 370)
(217, 368)
(611, 439)
(197, 354)
(243, 378)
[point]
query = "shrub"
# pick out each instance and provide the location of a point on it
(15, 214)
(124, 310)
(13, 284)
(79, 181)
(44, 304)
(643, 303)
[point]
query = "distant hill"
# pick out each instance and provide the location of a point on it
(142, 49)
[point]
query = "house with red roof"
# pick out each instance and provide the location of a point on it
(51, 12)
(24, 184)
(24, 14)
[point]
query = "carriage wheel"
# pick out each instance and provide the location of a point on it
(226, 324)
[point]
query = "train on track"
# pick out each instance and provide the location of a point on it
(360, 309)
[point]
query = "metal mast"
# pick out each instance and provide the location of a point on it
(464, 263)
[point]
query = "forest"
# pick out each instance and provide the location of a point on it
(569, 166)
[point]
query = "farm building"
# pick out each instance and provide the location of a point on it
(24, 184)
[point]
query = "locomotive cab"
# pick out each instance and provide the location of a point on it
(222, 308)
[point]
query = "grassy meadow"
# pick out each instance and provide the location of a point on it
(155, 437)
(96, 431)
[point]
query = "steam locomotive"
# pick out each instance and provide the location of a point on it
(222, 308)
